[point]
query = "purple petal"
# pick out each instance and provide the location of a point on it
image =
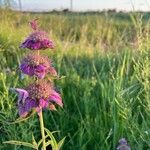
(22, 112)
(48, 43)
(30, 103)
(40, 71)
(26, 106)
(26, 69)
(35, 45)
(22, 94)
(26, 43)
(55, 97)
(31, 44)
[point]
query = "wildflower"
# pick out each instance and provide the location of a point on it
(37, 65)
(123, 145)
(37, 40)
(38, 95)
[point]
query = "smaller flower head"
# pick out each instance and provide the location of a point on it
(38, 40)
(37, 65)
(123, 145)
(37, 95)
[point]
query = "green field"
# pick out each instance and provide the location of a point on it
(105, 60)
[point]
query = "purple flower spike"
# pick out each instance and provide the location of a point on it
(40, 94)
(55, 97)
(38, 41)
(37, 65)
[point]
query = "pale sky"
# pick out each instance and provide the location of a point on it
(83, 5)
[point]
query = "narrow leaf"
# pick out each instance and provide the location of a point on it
(39, 143)
(48, 143)
(22, 119)
(20, 143)
(34, 142)
(61, 142)
(54, 143)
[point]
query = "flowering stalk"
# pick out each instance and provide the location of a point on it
(42, 129)
(41, 121)
(40, 94)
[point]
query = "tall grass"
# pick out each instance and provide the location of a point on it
(106, 89)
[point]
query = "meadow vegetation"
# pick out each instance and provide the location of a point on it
(104, 61)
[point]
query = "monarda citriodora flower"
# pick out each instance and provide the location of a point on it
(38, 95)
(38, 40)
(37, 65)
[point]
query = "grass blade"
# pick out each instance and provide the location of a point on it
(20, 143)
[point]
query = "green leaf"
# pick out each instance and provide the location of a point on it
(53, 141)
(22, 119)
(48, 143)
(61, 142)
(39, 143)
(57, 77)
(34, 142)
(55, 132)
(62, 77)
(20, 143)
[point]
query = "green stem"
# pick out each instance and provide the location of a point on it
(42, 129)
